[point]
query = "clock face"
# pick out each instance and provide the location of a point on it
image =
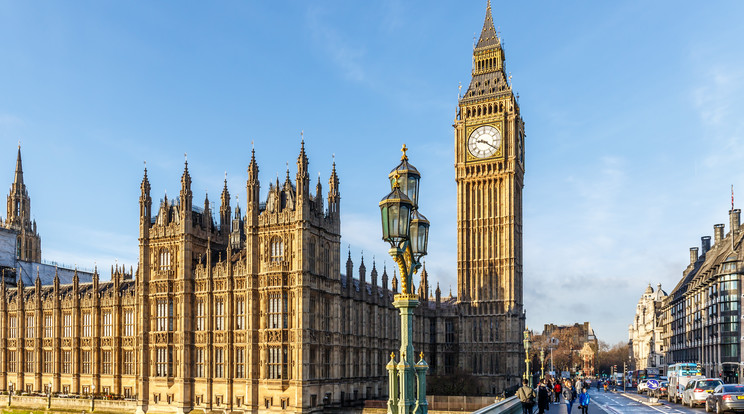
(484, 141)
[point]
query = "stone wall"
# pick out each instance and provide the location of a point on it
(68, 404)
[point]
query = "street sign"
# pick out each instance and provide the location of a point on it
(652, 384)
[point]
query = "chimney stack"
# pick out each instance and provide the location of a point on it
(693, 255)
(735, 217)
(717, 234)
(706, 244)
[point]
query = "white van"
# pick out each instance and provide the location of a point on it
(679, 375)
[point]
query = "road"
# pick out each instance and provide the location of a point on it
(630, 402)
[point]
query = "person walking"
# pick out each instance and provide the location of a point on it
(557, 390)
(584, 402)
(527, 396)
(543, 397)
(569, 395)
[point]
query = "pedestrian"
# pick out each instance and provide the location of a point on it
(527, 396)
(579, 384)
(543, 397)
(599, 384)
(584, 402)
(569, 395)
(557, 390)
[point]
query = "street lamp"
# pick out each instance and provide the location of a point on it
(407, 232)
(527, 375)
(542, 363)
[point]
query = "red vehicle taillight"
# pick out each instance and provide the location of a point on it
(727, 398)
(698, 390)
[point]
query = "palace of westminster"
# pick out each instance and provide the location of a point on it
(251, 311)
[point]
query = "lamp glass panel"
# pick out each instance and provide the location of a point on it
(394, 221)
(405, 217)
(412, 188)
(385, 226)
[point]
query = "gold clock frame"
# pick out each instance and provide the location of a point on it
(470, 158)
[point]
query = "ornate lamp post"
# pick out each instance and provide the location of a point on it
(542, 363)
(527, 375)
(407, 231)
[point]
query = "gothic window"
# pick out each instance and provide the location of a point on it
(277, 249)
(129, 323)
(161, 362)
(219, 314)
(311, 257)
(277, 367)
(48, 325)
(277, 310)
(30, 361)
(67, 362)
(85, 357)
(164, 316)
(12, 327)
(48, 362)
(11, 361)
(165, 259)
(200, 315)
(67, 326)
(239, 313)
(107, 324)
(128, 362)
(30, 326)
(239, 363)
(326, 314)
(219, 363)
(106, 365)
(311, 312)
(326, 261)
(86, 324)
(327, 363)
(199, 371)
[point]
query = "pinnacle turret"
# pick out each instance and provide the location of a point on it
(18, 179)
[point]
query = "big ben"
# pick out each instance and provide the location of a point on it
(489, 171)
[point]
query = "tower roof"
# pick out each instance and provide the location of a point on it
(19, 169)
(489, 39)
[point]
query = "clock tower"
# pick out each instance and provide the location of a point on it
(489, 171)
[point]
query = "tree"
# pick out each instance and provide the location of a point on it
(612, 355)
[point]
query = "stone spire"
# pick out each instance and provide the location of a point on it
(186, 195)
(363, 278)
(207, 213)
(424, 286)
(349, 275)
(18, 179)
(253, 186)
(225, 210)
(384, 278)
(395, 282)
(303, 176)
(334, 196)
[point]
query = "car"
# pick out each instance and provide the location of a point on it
(661, 391)
(696, 391)
(642, 386)
(725, 397)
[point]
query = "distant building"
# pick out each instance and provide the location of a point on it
(580, 340)
(645, 333)
(701, 316)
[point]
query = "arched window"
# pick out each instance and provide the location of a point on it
(165, 259)
(277, 249)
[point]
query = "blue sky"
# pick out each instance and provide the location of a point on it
(632, 109)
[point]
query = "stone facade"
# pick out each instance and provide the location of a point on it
(645, 333)
(701, 316)
(249, 309)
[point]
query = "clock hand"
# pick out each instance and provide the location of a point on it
(487, 143)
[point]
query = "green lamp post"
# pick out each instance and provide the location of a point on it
(407, 232)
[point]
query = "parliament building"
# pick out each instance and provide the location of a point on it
(250, 310)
